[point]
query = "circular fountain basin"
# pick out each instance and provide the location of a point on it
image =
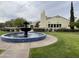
(19, 37)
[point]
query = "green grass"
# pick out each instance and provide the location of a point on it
(66, 47)
(2, 32)
(2, 50)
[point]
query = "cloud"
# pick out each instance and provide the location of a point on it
(30, 10)
(2, 20)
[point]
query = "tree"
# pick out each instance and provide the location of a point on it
(18, 22)
(72, 19)
(77, 23)
(2, 25)
(10, 23)
(37, 24)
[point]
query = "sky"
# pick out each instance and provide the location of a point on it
(31, 10)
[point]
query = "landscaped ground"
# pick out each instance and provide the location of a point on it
(1, 32)
(67, 46)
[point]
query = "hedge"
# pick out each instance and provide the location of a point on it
(66, 30)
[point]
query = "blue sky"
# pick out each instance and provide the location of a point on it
(30, 10)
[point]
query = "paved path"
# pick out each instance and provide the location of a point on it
(21, 50)
(16, 51)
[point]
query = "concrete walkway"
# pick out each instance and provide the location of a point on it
(21, 50)
(16, 51)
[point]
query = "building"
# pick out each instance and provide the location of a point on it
(55, 22)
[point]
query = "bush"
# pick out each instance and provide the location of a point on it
(66, 30)
(3, 29)
(40, 30)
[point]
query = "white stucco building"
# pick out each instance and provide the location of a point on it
(54, 22)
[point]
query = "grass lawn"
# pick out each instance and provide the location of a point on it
(67, 46)
(2, 32)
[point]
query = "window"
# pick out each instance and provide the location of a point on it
(51, 25)
(59, 25)
(48, 25)
(54, 25)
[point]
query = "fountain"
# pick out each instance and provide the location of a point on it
(24, 36)
(25, 29)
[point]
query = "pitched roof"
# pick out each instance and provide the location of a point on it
(56, 17)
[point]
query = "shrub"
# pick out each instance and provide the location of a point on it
(66, 30)
(39, 30)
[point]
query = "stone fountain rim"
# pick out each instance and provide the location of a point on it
(4, 35)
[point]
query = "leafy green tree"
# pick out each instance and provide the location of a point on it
(72, 19)
(18, 22)
(2, 25)
(9, 23)
(77, 23)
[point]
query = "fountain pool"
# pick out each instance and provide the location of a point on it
(19, 37)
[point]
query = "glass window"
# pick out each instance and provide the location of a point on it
(51, 25)
(48, 25)
(54, 25)
(59, 25)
